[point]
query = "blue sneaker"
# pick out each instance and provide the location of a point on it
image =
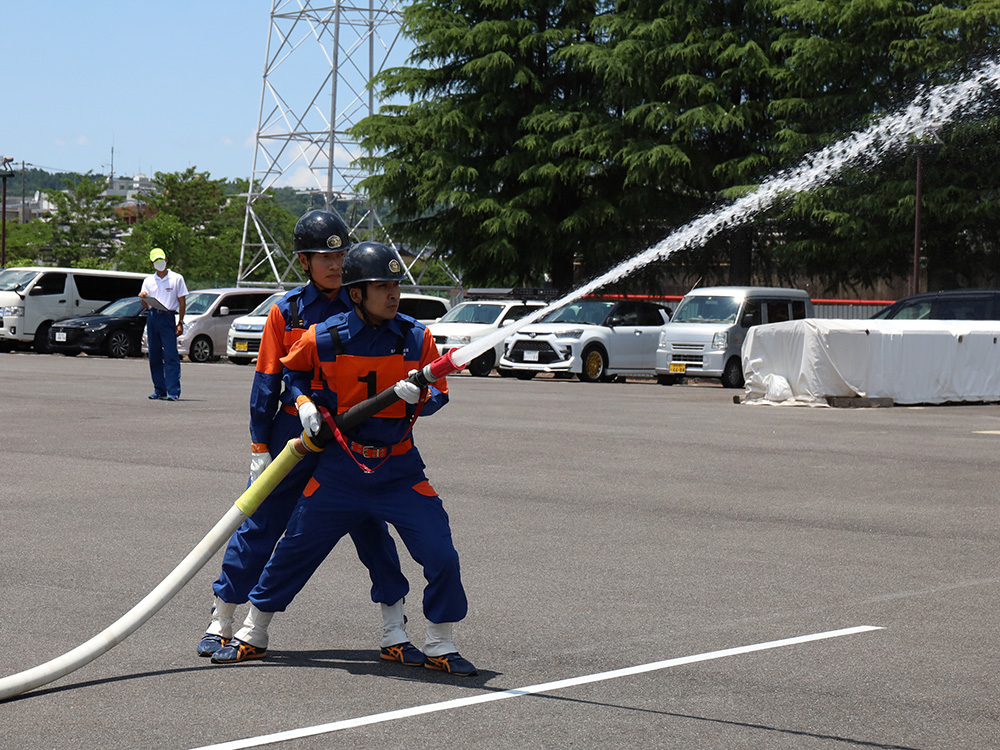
(154, 396)
(170, 398)
(452, 664)
(210, 644)
(237, 651)
(405, 653)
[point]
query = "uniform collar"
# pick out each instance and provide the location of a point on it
(311, 294)
(355, 324)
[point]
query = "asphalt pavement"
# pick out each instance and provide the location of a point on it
(647, 567)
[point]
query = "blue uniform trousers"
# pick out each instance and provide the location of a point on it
(251, 545)
(164, 361)
(340, 496)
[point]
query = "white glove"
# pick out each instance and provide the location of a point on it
(407, 391)
(310, 418)
(258, 462)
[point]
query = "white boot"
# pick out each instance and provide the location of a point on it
(222, 619)
(254, 630)
(438, 642)
(393, 624)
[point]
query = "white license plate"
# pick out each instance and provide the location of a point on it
(530, 356)
(60, 335)
(678, 367)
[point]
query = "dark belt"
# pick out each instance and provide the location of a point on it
(162, 312)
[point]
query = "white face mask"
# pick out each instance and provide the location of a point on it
(160, 265)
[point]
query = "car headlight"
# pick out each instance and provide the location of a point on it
(720, 340)
(458, 340)
(574, 334)
(96, 326)
(13, 311)
(249, 327)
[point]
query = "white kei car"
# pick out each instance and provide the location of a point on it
(594, 339)
(468, 321)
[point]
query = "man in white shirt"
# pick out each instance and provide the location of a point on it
(163, 294)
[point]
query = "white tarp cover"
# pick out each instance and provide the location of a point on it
(909, 361)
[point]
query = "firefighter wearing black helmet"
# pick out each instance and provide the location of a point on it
(374, 470)
(321, 241)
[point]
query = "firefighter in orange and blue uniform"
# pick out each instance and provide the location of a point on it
(374, 470)
(320, 240)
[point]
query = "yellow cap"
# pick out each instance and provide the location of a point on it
(156, 254)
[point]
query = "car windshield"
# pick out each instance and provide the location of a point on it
(707, 309)
(264, 307)
(199, 302)
(14, 280)
(482, 313)
(591, 312)
(126, 306)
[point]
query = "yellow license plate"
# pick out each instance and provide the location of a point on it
(678, 367)
(241, 346)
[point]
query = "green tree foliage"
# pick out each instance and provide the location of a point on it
(475, 165)
(198, 222)
(848, 63)
(84, 225)
(27, 243)
(543, 137)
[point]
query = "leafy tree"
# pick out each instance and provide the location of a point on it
(850, 62)
(84, 225)
(473, 165)
(28, 243)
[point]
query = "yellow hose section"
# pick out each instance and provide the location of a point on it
(255, 494)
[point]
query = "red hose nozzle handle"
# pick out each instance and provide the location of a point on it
(439, 368)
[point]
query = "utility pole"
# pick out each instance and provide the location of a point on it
(4, 174)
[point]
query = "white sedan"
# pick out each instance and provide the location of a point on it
(592, 338)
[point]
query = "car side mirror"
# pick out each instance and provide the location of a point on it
(223, 311)
(614, 320)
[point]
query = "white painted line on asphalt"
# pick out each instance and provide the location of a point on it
(545, 687)
(986, 432)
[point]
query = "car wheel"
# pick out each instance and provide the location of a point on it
(667, 379)
(503, 372)
(732, 373)
(41, 342)
(482, 365)
(119, 344)
(201, 349)
(524, 374)
(595, 365)
(240, 360)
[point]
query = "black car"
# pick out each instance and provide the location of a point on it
(958, 304)
(115, 330)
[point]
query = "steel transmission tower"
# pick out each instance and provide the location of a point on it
(320, 58)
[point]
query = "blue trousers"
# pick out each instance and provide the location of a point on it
(164, 361)
(339, 497)
(251, 545)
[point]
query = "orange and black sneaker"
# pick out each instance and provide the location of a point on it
(405, 653)
(237, 651)
(452, 664)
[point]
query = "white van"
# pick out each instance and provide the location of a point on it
(34, 296)
(704, 337)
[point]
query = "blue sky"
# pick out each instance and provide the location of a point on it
(167, 85)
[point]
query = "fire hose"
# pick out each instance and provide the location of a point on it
(245, 505)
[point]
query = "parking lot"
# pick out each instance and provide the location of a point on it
(646, 567)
